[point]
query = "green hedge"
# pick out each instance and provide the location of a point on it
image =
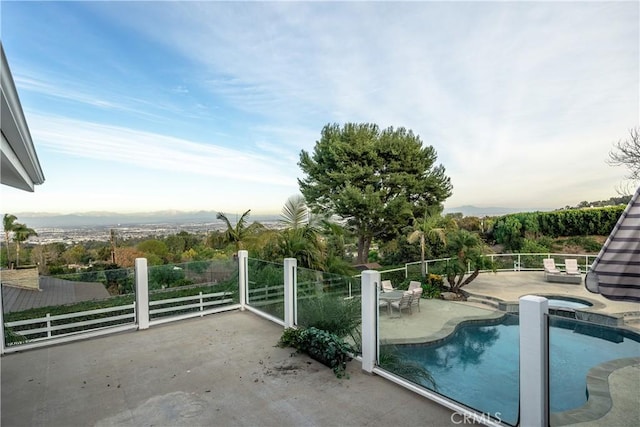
(512, 229)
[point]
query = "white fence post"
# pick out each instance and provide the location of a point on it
(370, 285)
(142, 293)
(48, 317)
(534, 361)
(1, 322)
(243, 277)
(290, 291)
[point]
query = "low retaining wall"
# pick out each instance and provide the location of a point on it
(22, 278)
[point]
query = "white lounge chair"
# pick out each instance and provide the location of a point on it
(571, 266)
(550, 267)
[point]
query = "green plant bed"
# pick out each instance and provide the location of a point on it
(325, 347)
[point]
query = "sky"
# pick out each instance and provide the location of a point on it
(179, 105)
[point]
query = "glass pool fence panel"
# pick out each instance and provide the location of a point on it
(435, 266)
(466, 353)
(196, 286)
(399, 275)
(330, 302)
(266, 287)
(583, 358)
(504, 262)
(67, 304)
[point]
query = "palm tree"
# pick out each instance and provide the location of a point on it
(467, 249)
(301, 237)
(20, 234)
(238, 233)
(424, 228)
(8, 222)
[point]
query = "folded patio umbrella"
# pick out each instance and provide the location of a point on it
(615, 273)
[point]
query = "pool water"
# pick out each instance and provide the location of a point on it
(478, 365)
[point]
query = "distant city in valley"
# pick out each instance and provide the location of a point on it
(70, 228)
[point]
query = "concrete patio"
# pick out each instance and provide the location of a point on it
(221, 370)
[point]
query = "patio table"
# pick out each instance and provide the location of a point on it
(389, 297)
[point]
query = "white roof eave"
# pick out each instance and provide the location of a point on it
(20, 167)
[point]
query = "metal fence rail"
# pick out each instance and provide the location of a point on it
(52, 327)
(504, 262)
(203, 301)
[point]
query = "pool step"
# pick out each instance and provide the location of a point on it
(483, 300)
(632, 318)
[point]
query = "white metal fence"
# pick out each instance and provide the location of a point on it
(61, 325)
(182, 304)
(503, 262)
(138, 313)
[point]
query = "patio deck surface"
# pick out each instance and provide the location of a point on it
(221, 370)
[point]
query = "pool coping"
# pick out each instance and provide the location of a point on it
(589, 314)
(599, 401)
(446, 331)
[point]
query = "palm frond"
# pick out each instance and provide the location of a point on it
(241, 225)
(294, 212)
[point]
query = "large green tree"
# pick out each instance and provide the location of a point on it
(376, 180)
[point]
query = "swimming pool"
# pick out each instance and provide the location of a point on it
(478, 364)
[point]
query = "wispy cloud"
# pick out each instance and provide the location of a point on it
(518, 98)
(82, 139)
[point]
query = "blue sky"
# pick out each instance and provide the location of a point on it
(145, 106)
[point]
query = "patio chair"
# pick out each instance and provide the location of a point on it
(387, 286)
(414, 284)
(571, 266)
(549, 267)
(403, 303)
(415, 301)
(383, 305)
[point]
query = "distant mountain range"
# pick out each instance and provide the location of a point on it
(111, 219)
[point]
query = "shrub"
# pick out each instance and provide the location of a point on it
(431, 291)
(436, 280)
(325, 347)
(589, 244)
(533, 247)
(290, 338)
(335, 315)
